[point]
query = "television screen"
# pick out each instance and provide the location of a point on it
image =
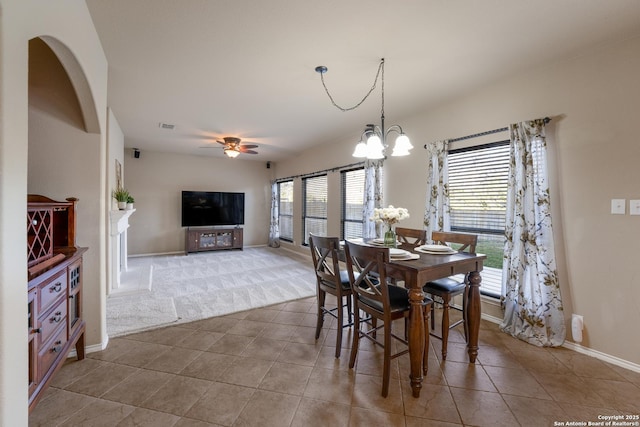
(200, 208)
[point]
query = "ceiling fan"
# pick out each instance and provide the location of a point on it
(233, 148)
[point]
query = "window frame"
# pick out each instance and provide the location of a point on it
(493, 277)
(280, 214)
(305, 181)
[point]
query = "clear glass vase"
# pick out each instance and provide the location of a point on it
(390, 238)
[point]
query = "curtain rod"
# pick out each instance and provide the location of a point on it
(489, 132)
(305, 175)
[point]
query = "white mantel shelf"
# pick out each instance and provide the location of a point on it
(120, 220)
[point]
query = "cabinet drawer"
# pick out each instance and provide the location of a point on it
(53, 349)
(51, 290)
(52, 320)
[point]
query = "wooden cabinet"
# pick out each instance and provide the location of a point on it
(212, 239)
(54, 316)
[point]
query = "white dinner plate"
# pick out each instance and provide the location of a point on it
(406, 257)
(435, 248)
(379, 242)
(395, 252)
(436, 252)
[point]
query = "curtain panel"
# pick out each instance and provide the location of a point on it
(372, 197)
(437, 211)
(274, 226)
(532, 301)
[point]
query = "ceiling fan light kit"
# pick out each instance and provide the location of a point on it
(231, 152)
(232, 147)
(372, 143)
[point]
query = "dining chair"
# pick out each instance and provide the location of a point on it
(374, 295)
(330, 279)
(444, 290)
(411, 236)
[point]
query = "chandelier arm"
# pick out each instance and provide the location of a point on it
(380, 70)
(395, 128)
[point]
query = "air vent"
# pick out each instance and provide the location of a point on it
(166, 126)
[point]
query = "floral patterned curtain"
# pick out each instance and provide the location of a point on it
(533, 306)
(437, 212)
(274, 227)
(372, 196)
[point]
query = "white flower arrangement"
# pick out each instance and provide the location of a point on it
(390, 215)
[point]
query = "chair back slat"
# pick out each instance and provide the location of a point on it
(467, 242)
(369, 263)
(411, 236)
(324, 252)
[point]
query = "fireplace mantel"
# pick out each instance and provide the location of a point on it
(120, 220)
(119, 225)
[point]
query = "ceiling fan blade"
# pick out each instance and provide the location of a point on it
(248, 152)
(221, 142)
(248, 146)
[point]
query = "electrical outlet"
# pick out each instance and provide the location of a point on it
(618, 206)
(634, 207)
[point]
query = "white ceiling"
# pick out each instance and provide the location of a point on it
(245, 68)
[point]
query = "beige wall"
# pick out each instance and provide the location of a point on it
(594, 152)
(69, 27)
(156, 180)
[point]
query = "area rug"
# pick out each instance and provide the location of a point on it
(185, 288)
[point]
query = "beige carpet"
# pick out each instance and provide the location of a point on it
(184, 288)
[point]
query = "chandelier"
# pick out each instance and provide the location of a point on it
(373, 143)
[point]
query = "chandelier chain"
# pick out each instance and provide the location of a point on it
(375, 82)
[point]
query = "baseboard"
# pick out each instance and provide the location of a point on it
(180, 252)
(583, 350)
(491, 319)
(602, 356)
(90, 349)
(156, 254)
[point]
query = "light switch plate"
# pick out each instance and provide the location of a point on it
(618, 206)
(634, 207)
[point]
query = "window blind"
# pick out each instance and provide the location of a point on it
(315, 206)
(352, 186)
(478, 188)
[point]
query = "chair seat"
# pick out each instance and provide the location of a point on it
(344, 281)
(398, 299)
(445, 285)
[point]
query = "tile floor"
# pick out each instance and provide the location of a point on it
(264, 368)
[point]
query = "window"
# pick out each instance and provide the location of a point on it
(478, 179)
(352, 185)
(285, 210)
(314, 211)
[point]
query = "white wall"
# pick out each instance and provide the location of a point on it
(594, 151)
(69, 23)
(156, 180)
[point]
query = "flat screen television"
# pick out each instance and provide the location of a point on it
(207, 208)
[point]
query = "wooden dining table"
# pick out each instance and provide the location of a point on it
(416, 273)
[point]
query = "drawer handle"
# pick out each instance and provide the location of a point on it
(56, 288)
(57, 347)
(56, 318)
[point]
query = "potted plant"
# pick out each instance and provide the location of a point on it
(121, 195)
(130, 201)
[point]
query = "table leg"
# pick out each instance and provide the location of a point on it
(473, 314)
(416, 339)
